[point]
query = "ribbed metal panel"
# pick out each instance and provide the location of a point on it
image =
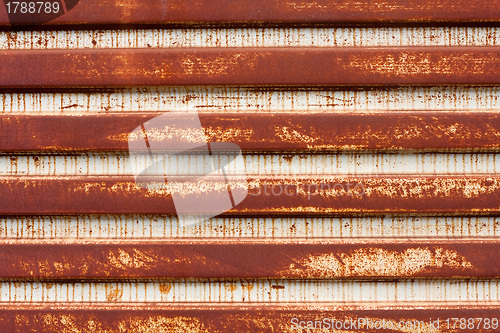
(243, 303)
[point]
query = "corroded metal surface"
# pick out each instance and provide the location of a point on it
(295, 36)
(326, 219)
(250, 259)
(253, 291)
(267, 195)
(89, 12)
(244, 318)
(307, 131)
(388, 66)
(164, 228)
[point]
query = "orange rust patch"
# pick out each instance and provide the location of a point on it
(165, 288)
(231, 286)
(160, 324)
(125, 260)
(376, 262)
(438, 187)
(287, 134)
(114, 294)
(415, 63)
(220, 65)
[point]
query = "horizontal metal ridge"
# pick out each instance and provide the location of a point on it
(303, 132)
(267, 196)
(371, 66)
(244, 318)
(250, 259)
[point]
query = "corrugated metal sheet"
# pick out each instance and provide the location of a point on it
(417, 266)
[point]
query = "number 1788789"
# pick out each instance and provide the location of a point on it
(38, 7)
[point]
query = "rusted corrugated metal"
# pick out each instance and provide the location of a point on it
(302, 132)
(251, 67)
(267, 196)
(256, 318)
(92, 12)
(428, 222)
(249, 259)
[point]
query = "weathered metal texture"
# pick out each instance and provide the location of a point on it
(371, 66)
(250, 259)
(359, 265)
(253, 291)
(267, 195)
(253, 132)
(291, 36)
(247, 318)
(162, 227)
(91, 12)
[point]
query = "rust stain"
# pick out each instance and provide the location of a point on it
(222, 65)
(271, 318)
(114, 294)
(418, 188)
(126, 259)
(287, 134)
(412, 63)
(272, 259)
(377, 262)
(248, 286)
(381, 6)
(127, 8)
(165, 288)
(277, 287)
(162, 324)
(167, 133)
(67, 323)
(306, 195)
(231, 286)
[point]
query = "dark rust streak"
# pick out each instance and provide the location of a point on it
(347, 66)
(267, 196)
(223, 318)
(92, 12)
(253, 132)
(254, 259)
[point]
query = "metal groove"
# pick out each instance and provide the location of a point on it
(250, 37)
(109, 163)
(268, 292)
(204, 99)
(92, 12)
(147, 306)
(161, 227)
(252, 66)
